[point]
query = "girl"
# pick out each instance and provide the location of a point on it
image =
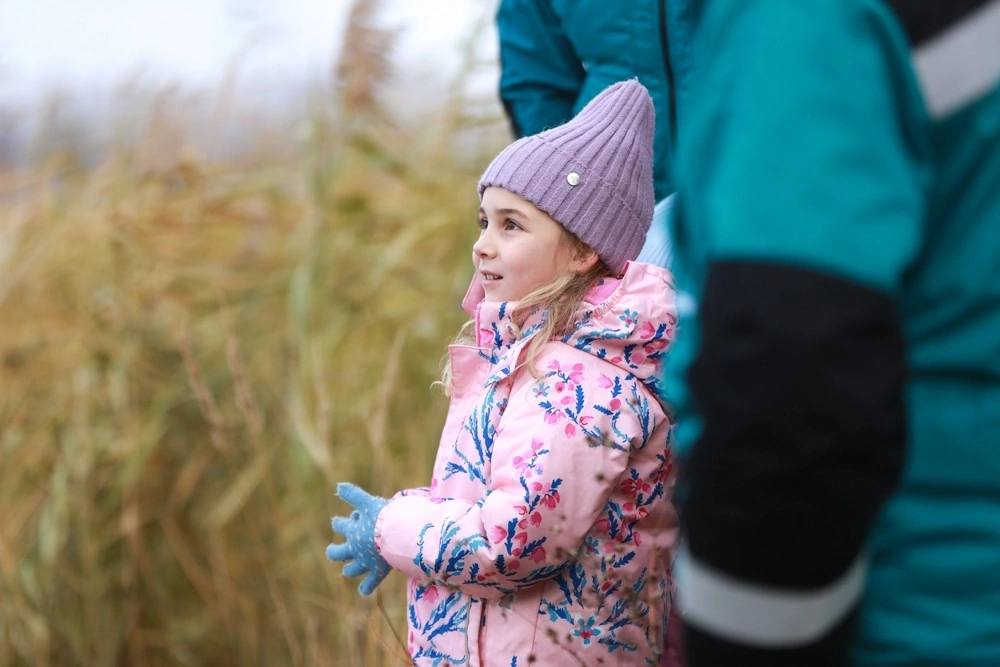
(545, 534)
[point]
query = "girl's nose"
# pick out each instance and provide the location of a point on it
(483, 247)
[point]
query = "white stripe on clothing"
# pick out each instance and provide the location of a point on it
(962, 63)
(760, 615)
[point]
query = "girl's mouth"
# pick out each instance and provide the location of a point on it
(490, 277)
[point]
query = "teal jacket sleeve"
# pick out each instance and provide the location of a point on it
(540, 74)
(802, 178)
(805, 139)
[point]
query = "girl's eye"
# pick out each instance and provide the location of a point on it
(509, 224)
(482, 223)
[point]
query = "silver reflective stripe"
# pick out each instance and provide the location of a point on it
(961, 63)
(762, 616)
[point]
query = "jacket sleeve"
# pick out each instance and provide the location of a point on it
(561, 446)
(540, 74)
(803, 182)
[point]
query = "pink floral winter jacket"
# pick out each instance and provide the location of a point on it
(545, 535)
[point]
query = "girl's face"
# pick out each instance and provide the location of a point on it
(521, 248)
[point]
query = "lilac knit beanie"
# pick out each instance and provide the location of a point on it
(593, 174)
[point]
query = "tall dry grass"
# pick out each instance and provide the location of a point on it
(191, 356)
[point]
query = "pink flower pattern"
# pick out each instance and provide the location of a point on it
(597, 399)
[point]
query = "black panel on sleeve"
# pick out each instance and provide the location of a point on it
(799, 383)
(924, 20)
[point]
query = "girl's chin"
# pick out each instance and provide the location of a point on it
(497, 295)
(511, 292)
(503, 292)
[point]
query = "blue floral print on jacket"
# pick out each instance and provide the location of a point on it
(546, 533)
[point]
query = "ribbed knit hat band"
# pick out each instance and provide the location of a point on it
(593, 174)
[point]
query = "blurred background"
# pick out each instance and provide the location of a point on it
(233, 238)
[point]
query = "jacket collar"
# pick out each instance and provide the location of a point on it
(627, 321)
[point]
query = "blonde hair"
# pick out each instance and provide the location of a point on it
(560, 300)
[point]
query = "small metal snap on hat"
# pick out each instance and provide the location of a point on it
(573, 178)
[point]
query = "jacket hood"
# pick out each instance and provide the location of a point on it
(627, 321)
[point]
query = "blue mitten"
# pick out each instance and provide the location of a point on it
(359, 529)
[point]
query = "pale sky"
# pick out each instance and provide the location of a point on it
(95, 44)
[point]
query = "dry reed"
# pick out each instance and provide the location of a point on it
(190, 357)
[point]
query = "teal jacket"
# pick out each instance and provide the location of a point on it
(555, 55)
(837, 372)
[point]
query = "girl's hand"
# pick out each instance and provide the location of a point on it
(359, 529)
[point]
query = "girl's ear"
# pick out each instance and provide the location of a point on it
(584, 259)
